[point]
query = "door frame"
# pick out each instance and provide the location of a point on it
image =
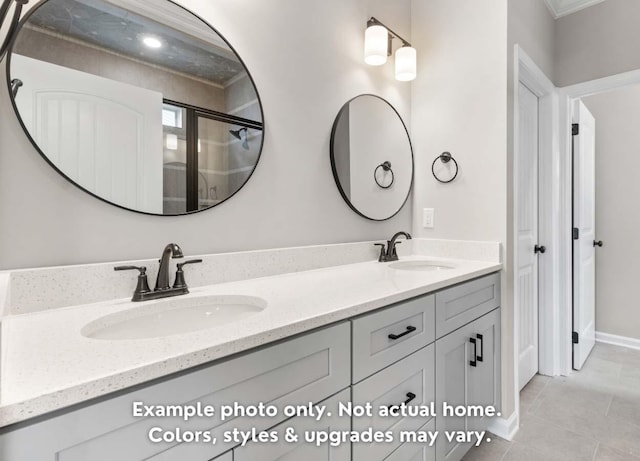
(549, 223)
(567, 96)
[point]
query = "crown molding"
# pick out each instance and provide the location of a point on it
(561, 8)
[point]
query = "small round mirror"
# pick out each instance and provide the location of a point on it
(372, 157)
(139, 103)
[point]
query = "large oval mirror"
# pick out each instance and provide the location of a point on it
(372, 157)
(139, 103)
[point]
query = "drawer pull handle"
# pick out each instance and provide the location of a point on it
(475, 352)
(410, 329)
(481, 356)
(410, 397)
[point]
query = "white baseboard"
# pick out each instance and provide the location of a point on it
(623, 341)
(505, 428)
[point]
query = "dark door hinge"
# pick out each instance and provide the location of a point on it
(575, 339)
(575, 129)
(576, 233)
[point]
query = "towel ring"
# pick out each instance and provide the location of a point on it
(445, 157)
(386, 166)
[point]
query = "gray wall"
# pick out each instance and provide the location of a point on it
(598, 41)
(617, 115)
(303, 80)
(532, 26)
(459, 105)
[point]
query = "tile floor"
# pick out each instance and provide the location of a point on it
(592, 415)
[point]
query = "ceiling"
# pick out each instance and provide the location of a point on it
(561, 8)
(110, 27)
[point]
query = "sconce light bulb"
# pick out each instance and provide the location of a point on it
(406, 65)
(376, 44)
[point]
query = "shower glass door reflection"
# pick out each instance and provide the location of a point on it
(207, 156)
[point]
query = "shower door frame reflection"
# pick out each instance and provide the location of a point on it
(193, 114)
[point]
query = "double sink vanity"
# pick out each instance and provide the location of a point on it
(145, 106)
(322, 325)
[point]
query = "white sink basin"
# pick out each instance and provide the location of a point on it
(173, 316)
(423, 265)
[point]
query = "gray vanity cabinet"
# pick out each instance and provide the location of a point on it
(484, 386)
(303, 450)
(415, 451)
(308, 368)
(417, 351)
(463, 379)
(409, 380)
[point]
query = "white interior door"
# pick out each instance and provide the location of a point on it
(104, 135)
(526, 166)
(584, 275)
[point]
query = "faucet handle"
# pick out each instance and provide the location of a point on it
(143, 282)
(142, 269)
(381, 258)
(180, 282)
(191, 261)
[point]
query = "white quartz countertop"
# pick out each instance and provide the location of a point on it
(47, 364)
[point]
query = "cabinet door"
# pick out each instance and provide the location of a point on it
(484, 381)
(303, 450)
(453, 355)
(409, 379)
(416, 451)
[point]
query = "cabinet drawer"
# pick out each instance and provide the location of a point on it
(415, 451)
(464, 303)
(306, 369)
(412, 323)
(391, 386)
(301, 450)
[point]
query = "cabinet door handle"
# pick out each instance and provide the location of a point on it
(410, 397)
(475, 352)
(480, 358)
(410, 329)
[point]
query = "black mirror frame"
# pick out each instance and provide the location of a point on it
(12, 42)
(333, 161)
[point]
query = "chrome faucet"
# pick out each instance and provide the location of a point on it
(162, 289)
(389, 253)
(170, 251)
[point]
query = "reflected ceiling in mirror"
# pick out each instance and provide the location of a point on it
(139, 103)
(372, 157)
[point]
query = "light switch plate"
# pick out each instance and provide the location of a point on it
(428, 218)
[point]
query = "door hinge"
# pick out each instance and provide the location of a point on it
(575, 339)
(575, 129)
(576, 233)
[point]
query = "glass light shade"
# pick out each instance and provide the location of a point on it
(376, 42)
(406, 64)
(172, 142)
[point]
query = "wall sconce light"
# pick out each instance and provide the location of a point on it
(377, 47)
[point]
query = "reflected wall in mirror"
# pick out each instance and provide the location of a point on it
(372, 157)
(140, 103)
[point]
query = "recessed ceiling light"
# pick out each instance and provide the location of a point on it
(151, 42)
